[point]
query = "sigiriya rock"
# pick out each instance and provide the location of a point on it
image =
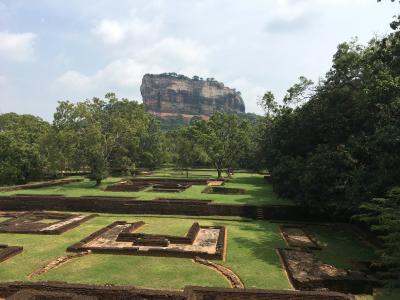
(170, 95)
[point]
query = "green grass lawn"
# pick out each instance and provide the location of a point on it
(257, 191)
(251, 244)
(250, 253)
(342, 248)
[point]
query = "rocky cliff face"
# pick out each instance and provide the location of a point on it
(169, 95)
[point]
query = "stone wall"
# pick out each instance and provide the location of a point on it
(132, 206)
(62, 290)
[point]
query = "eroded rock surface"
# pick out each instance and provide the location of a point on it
(169, 96)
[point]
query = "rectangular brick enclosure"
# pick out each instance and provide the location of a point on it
(38, 222)
(307, 272)
(8, 251)
(298, 237)
(223, 190)
(156, 184)
(120, 238)
(170, 187)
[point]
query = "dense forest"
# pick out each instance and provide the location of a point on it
(332, 146)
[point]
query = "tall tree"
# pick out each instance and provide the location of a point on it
(110, 133)
(22, 139)
(340, 148)
(224, 138)
(186, 149)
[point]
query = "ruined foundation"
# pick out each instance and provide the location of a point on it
(38, 222)
(119, 238)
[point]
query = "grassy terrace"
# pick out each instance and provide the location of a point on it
(251, 254)
(258, 192)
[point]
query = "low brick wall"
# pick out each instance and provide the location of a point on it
(153, 180)
(208, 293)
(151, 240)
(131, 206)
(291, 234)
(307, 272)
(38, 185)
(77, 247)
(29, 222)
(60, 290)
(223, 190)
(128, 235)
(63, 290)
(184, 201)
(126, 187)
(7, 252)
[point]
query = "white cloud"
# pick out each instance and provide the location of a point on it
(74, 80)
(114, 32)
(111, 32)
(172, 51)
(124, 75)
(17, 47)
(3, 80)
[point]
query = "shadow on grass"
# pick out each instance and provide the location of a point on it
(260, 192)
(261, 239)
(387, 294)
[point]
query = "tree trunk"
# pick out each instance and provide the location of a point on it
(98, 181)
(187, 173)
(219, 173)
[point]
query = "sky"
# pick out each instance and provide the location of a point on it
(53, 50)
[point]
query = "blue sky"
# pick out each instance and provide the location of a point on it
(53, 50)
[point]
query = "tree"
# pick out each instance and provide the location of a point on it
(106, 135)
(340, 148)
(22, 140)
(383, 216)
(224, 139)
(187, 150)
(299, 92)
(268, 104)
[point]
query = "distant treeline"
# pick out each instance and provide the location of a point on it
(179, 122)
(101, 136)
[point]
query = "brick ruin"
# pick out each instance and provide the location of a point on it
(307, 272)
(304, 269)
(39, 185)
(120, 238)
(223, 190)
(298, 237)
(170, 187)
(129, 205)
(62, 290)
(38, 222)
(156, 185)
(7, 251)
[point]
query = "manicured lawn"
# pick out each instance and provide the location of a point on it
(341, 247)
(251, 253)
(257, 191)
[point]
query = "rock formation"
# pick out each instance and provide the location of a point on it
(170, 95)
